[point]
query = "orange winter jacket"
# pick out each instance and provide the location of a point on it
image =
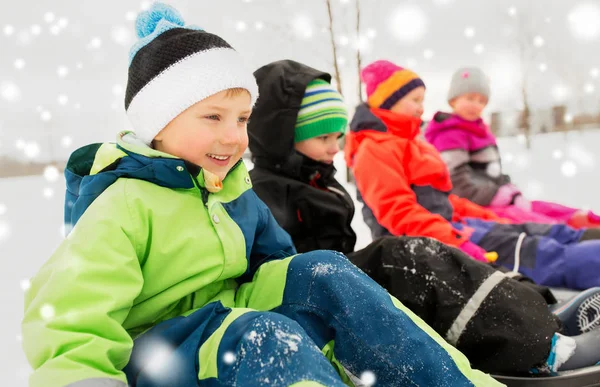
(403, 179)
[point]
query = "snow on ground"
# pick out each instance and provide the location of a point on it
(559, 167)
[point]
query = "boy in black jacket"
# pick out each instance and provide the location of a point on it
(503, 325)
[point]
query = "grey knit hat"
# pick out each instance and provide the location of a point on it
(469, 80)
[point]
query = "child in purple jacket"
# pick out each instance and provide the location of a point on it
(469, 149)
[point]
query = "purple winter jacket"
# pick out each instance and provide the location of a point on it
(471, 154)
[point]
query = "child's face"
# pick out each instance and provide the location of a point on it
(411, 104)
(469, 106)
(211, 133)
(322, 148)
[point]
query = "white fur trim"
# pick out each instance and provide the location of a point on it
(185, 83)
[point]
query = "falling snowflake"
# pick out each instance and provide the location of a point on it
(543, 67)
(63, 22)
(512, 11)
(48, 192)
(371, 33)
(25, 284)
(229, 357)
(341, 60)
(55, 29)
(411, 62)
(428, 53)
(35, 29)
(10, 91)
(117, 89)
(557, 154)
(144, 5)
(343, 40)
(51, 173)
(130, 16)
(259, 25)
(3, 209)
(478, 49)
(94, 44)
(49, 17)
(45, 116)
(368, 378)
(594, 72)
(66, 141)
(408, 23)
(568, 118)
(302, 26)
(4, 231)
(122, 35)
(508, 158)
(47, 312)
(589, 88)
(62, 71)
(31, 150)
(62, 99)
(19, 63)
(538, 41)
(560, 92)
(584, 21)
(9, 30)
(241, 26)
(568, 168)
(469, 32)
(19, 338)
(20, 144)
(77, 106)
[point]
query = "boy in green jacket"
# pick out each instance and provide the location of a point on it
(176, 274)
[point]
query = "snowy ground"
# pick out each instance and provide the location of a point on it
(559, 167)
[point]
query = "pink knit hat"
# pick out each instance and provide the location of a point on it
(388, 83)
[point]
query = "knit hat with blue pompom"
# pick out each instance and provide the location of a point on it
(174, 66)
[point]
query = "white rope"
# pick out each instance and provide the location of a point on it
(518, 252)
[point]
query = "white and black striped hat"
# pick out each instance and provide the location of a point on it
(174, 66)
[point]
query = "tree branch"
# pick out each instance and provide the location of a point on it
(336, 68)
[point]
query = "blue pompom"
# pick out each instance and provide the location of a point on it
(147, 21)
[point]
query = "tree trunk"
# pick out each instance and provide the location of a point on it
(336, 68)
(526, 118)
(358, 56)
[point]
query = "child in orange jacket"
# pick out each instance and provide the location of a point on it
(406, 186)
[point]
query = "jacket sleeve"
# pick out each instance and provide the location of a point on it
(467, 183)
(270, 241)
(383, 184)
(471, 185)
(75, 308)
(466, 209)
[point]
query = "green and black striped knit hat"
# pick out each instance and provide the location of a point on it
(322, 111)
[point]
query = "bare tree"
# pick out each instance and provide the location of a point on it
(527, 54)
(358, 54)
(336, 68)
